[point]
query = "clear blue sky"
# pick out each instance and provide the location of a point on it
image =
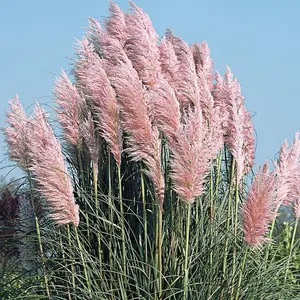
(259, 40)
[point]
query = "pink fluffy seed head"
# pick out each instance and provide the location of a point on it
(50, 171)
(190, 157)
(168, 62)
(186, 84)
(203, 62)
(258, 210)
(141, 45)
(105, 106)
(89, 134)
(287, 169)
(70, 103)
(164, 108)
(16, 134)
(116, 24)
(143, 142)
(238, 129)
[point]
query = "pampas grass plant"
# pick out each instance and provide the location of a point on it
(149, 192)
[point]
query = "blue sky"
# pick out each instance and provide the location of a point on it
(259, 40)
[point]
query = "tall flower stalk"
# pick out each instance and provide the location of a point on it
(19, 147)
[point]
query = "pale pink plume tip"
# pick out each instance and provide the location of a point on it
(258, 210)
(50, 171)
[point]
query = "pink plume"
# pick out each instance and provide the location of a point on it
(249, 141)
(190, 157)
(168, 62)
(187, 90)
(85, 53)
(16, 134)
(93, 32)
(105, 105)
(258, 210)
(141, 45)
(50, 171)
(220, 95)
(96, 85)
(89, 134)
(287, 169)
(203, 62)
(239, 133)
(116, 24)
(70, 103)
(294, 194)
(164, 108)
(143, 141)
(109, 48)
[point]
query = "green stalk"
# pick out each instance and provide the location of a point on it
(110, 217)
(219, 161)
(270, 245)
(63, 254)
(228, 217)
(156, 251)
(291, 248)
(83, 261)
(80, 165)
(211, 195)
(95, 181)
(212, 205)
(197, 204)
(83, 188)
(72, 264)
(172, 234)
(186, 253)
(122, 222)
(235, 230)
(38, 231)
(235, 223)
(159, 248)
(241, 275)
(144, 216)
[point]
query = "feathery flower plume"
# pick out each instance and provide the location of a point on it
(16, 135)
(94, 81)
(190, 157)
(239, 133)
(258, 210)
(116, 24)
(93, 32)
(187, 90)
(110, 48)
(294, 194)
(287, 169)
(141, 45)
(203, 62)
(249, 141)
(88, 132)
(209, 109)
(105, 106)
(50, 171)
(220, 95)
(164, 108)
(85, 53)
(143, 141)
(70, 104)
(168, 62)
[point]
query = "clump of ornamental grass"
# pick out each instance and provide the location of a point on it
(145, 196)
